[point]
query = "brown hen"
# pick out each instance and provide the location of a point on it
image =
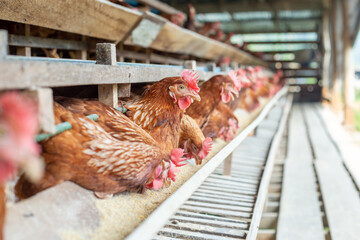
(216, 89)
(89, 156)
(160, 109)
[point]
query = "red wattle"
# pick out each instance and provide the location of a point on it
(184, 102)
(225, 97)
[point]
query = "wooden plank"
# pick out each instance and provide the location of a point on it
(78, 202)
(219, 206)
(220, 201)
(217, 212)
(38, 42)
(162, 7)
(216, 222)
(203, 228)
(341, 200)
(340, 197)
(241, 223)
(323, 147)
(348, 149)
(300, 216)
(194, 44)
(146, 30)
(95, 18)
(175, 233)
(59, 73)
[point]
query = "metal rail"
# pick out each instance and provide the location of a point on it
(159, 217)
(265, 180)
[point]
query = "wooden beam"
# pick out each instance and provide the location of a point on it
(106, 55)
(95, 18)
(38, 42)
(177, 40)
(251, 5)
(326, 53)
(335, 87)
(348, 66)
(283, 42)
(162, 7)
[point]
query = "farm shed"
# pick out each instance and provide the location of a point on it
(287, 169)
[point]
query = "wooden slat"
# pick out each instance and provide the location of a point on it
(38, 42)
(95, 18)
(218, 206)
(197, 45)
(216, 222)
(213, 230)
(174, 233)
(350, 152)
(322, 144)
(341, 200)
(221, 201)
(217, 212)
(300, 216)
(56, 73)
(211, 217)
(340, 197)
(162, 7)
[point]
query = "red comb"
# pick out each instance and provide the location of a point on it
(234, 78)
(206, 148)
(258, 69)
(177, 157)
(172, 171)
(191, 78)
(251, 69)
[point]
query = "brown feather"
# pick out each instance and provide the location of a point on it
(90, 157)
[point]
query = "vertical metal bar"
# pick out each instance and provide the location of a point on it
(227, 165)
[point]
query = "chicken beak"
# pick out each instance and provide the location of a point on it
(194, 96)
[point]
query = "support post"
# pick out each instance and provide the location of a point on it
(348, 66)
(326, 51)
(227, 165)
(3, 43)
(44, 99)
(124, 90)
(212, 67)
(106, 54)
(234, 65)
(27, 33)
(190, 64)
(224, 67)
(336, 87)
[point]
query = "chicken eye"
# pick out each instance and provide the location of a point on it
(181, 87)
